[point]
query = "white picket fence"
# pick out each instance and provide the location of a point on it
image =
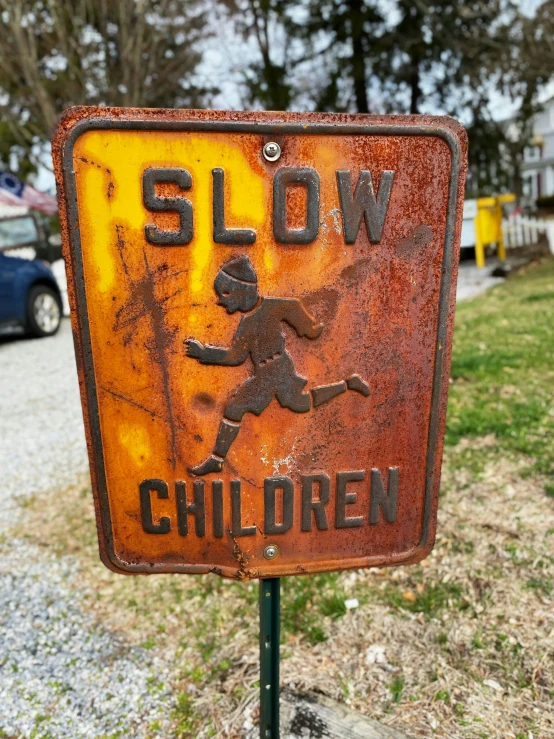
(521, 230)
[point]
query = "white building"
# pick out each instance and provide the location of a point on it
(538, 159)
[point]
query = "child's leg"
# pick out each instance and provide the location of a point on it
(251, 397)
(323, 393)
(226, 435)
(356, 383)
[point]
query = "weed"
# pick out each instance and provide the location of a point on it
(462, 546)
(541, 585)
(397, 688)
(196, 674)
(344, 686)
(442, 695)
(333, 605)
(38, 729)
(477, 641)
(154, 685)
(187, 722)
(305, 600)
(430, 600)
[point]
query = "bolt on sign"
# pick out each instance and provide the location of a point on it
(262, 306)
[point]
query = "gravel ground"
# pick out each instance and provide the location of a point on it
(41, 424)
(61, 674)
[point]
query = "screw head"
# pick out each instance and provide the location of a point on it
(272, 151)
(271, 551)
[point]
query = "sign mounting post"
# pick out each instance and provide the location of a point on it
(262, 306)
(269, 657)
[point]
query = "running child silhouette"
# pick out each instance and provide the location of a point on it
(260, 336)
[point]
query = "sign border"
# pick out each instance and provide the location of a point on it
(80, 120)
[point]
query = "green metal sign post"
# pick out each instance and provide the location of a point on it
(269, 657)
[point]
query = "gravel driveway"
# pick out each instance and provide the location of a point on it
(61, 674)
(41, 424)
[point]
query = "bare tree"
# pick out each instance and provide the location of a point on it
(56, 53)
(528, 61)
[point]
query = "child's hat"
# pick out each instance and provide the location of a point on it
(241, 269)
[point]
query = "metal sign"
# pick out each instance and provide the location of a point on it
(262, 306)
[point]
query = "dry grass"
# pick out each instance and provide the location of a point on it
(459, 646)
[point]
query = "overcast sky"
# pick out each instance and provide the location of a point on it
(225, 54)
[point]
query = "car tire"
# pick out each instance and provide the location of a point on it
(44, 311)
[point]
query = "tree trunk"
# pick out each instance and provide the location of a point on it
(313, 716)
(358, 61)
(415, 85)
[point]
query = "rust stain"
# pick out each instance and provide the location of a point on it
(417, 239)
(163, 339)
(241, 558)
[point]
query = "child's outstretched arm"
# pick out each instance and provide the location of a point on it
(208, 354)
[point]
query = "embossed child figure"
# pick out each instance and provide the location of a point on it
(260, 336)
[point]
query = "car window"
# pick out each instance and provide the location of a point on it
(18, 232)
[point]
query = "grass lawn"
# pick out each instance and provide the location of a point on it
(459, 646)
(503, 369)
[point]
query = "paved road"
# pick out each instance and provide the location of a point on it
(61, 674)
(473, 280)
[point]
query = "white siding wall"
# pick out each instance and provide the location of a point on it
(548, 147)
(543, 129)
(549, 181)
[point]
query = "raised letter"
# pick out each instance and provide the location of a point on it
(146, 487)
(196, 508)
(224, 235)
(342, 521)
(217, 503)
(236, 515)
(317, 506)
(364, 204)
(379, 498)
(295, 176)
(271, 485)
(158, 204)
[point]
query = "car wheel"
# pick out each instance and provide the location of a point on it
(44, 311)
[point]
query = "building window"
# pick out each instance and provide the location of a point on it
(532, 153)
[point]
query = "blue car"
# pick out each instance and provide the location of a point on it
(29, 296)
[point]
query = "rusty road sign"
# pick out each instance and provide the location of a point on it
(262, 306)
